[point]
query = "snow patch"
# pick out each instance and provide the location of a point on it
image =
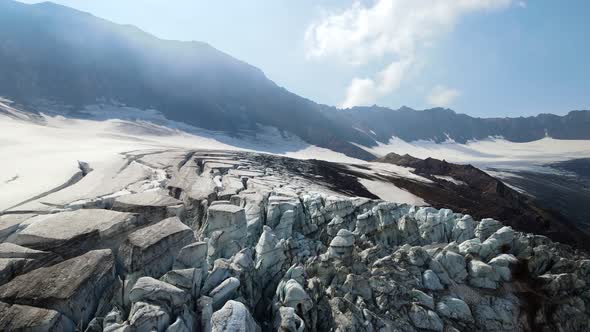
(389, 192)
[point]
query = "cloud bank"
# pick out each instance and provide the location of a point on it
(442, 96)
(392, 29)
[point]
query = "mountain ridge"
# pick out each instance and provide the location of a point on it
(54, 53)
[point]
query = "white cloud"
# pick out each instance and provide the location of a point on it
(442, 96)
(386, 28)
(361, 91)
(522, 4)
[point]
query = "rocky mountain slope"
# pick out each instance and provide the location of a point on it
(467, 189)
(237, 240)
(55, 59)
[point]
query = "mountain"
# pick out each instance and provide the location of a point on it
(440, 125)
(53, 57)
(50, 53)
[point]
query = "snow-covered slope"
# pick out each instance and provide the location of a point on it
(42, 155)
(493, 152)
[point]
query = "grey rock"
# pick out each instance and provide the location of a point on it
(188, 280)
(73, 287)
(288, 321)
(152, 249)
(425, 319)
(454, 308)
(234, 316)
(422, 299)
(150, 290)
(431, 281)
(454, 264)
(26, 318)
(72, 233)
(486, 227)
(148, 317)
(225, 291)
(464, 229)
(152, 205)
(501, 240)
(482, 275)
(226, 228)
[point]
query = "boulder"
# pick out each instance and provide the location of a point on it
(464, 229)
(193, 255)
(342, 245)
(205, 312)
(482, 275)
(497, 314)
(150, 290)
(454, 265)
(26, 318)
(225, 291)
(486, 227)
(454, 308)
(472, 247)
(422, 299)
(234, 316)
(148, 317)
(292, 294)
(152, 249)
(270, 256)
(503, 264)
(288, 321)
(152, 205)
(425, 319)
(73, 287)
(499, 242)
(431, 281)
(16, 260)
(226, 229)
(72, 233)
(188, 280)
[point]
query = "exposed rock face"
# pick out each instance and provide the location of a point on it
(153, 205)
(226, 229)
(276, 255)
(72, 233)
(152, 249)
(25, 318)
(73, 287)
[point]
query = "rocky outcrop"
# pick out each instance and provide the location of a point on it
(152, 249)
(74, 287)
(73, 232)
(26, 318)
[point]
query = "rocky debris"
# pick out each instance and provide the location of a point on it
(73, 287)
(281, 250)
(152, 249)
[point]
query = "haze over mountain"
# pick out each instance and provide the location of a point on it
(54, 55)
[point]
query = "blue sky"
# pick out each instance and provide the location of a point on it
(480, 57)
